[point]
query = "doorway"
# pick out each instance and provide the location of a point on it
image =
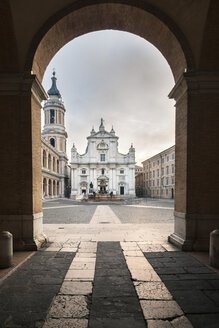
(122, 190)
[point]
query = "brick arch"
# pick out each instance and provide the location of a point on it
(140, 19)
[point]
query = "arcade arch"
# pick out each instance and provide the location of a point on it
(194, 66)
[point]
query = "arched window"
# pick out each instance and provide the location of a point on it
(54, 164)
(57, 166)
(102, 171)
(54, 188)
(49, 162)
(50, 187)
(52, 142)
(44, 158)
(58, 191)
(52, 116)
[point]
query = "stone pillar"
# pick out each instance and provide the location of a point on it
(197, 160)
(114, 181)
(74, 189)
(21, 172)
(47, 187)
(110, 179)
(95, 179)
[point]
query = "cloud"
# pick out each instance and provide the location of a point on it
(122, 78)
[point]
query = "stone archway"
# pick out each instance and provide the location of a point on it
(185, 35)
(134, 18)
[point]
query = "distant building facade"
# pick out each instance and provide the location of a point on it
(102, 169)
(159, 175)
(55, 169)
(139, 182)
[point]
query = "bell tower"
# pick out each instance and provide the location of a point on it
(54, 118)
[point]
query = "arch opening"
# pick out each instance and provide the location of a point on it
(162, 33)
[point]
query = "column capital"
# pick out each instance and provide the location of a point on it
(195, 83)
(18, 84)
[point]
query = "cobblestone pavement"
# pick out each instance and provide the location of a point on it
(104, 273)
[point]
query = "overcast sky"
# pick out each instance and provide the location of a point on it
(122, 78)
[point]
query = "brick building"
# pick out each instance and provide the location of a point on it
(159, 174)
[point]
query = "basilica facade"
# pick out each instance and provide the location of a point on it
(102, 169)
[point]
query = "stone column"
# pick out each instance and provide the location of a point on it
(74, 187)
(95, 179)
(110, 179)
(47, 187)
(114, 181)
(197, 160)
(21, 172)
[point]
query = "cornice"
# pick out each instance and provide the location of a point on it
(17, 84)
(195, 83)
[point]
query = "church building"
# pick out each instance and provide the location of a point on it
(55, 169)
(102, 169)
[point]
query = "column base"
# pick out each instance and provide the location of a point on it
(189, 245)
(192, 231)
(30, 244)
(184, 245)
(27, 230)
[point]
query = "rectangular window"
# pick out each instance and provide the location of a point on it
(102, 171)
(172, 168)
(162, 171)
(83, 171)
(157, 173)
(162, 182)
(173, 156)
(167, 181)
(153, 174)
(167, 158)
(102, 157)
(52, 116)
(172, 180)
(167, 169)
(153, 163)
(158, 162)
(121, 171)
(162, 161)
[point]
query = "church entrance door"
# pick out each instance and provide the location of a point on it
(121, 190)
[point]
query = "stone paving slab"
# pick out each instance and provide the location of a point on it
(114, 300)
(128, 322)
(26, 295)
(66, 323)
(80, 275)
(69, 307)
(193, 286)
(204, 320)
(152, 291)
(160, 309)
(76, 288)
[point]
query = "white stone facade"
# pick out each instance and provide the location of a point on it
(102, 169)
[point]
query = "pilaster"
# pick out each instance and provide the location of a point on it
(197, 159)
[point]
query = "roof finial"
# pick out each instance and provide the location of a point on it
(101, 128)
(92, 131)
(112, 130)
